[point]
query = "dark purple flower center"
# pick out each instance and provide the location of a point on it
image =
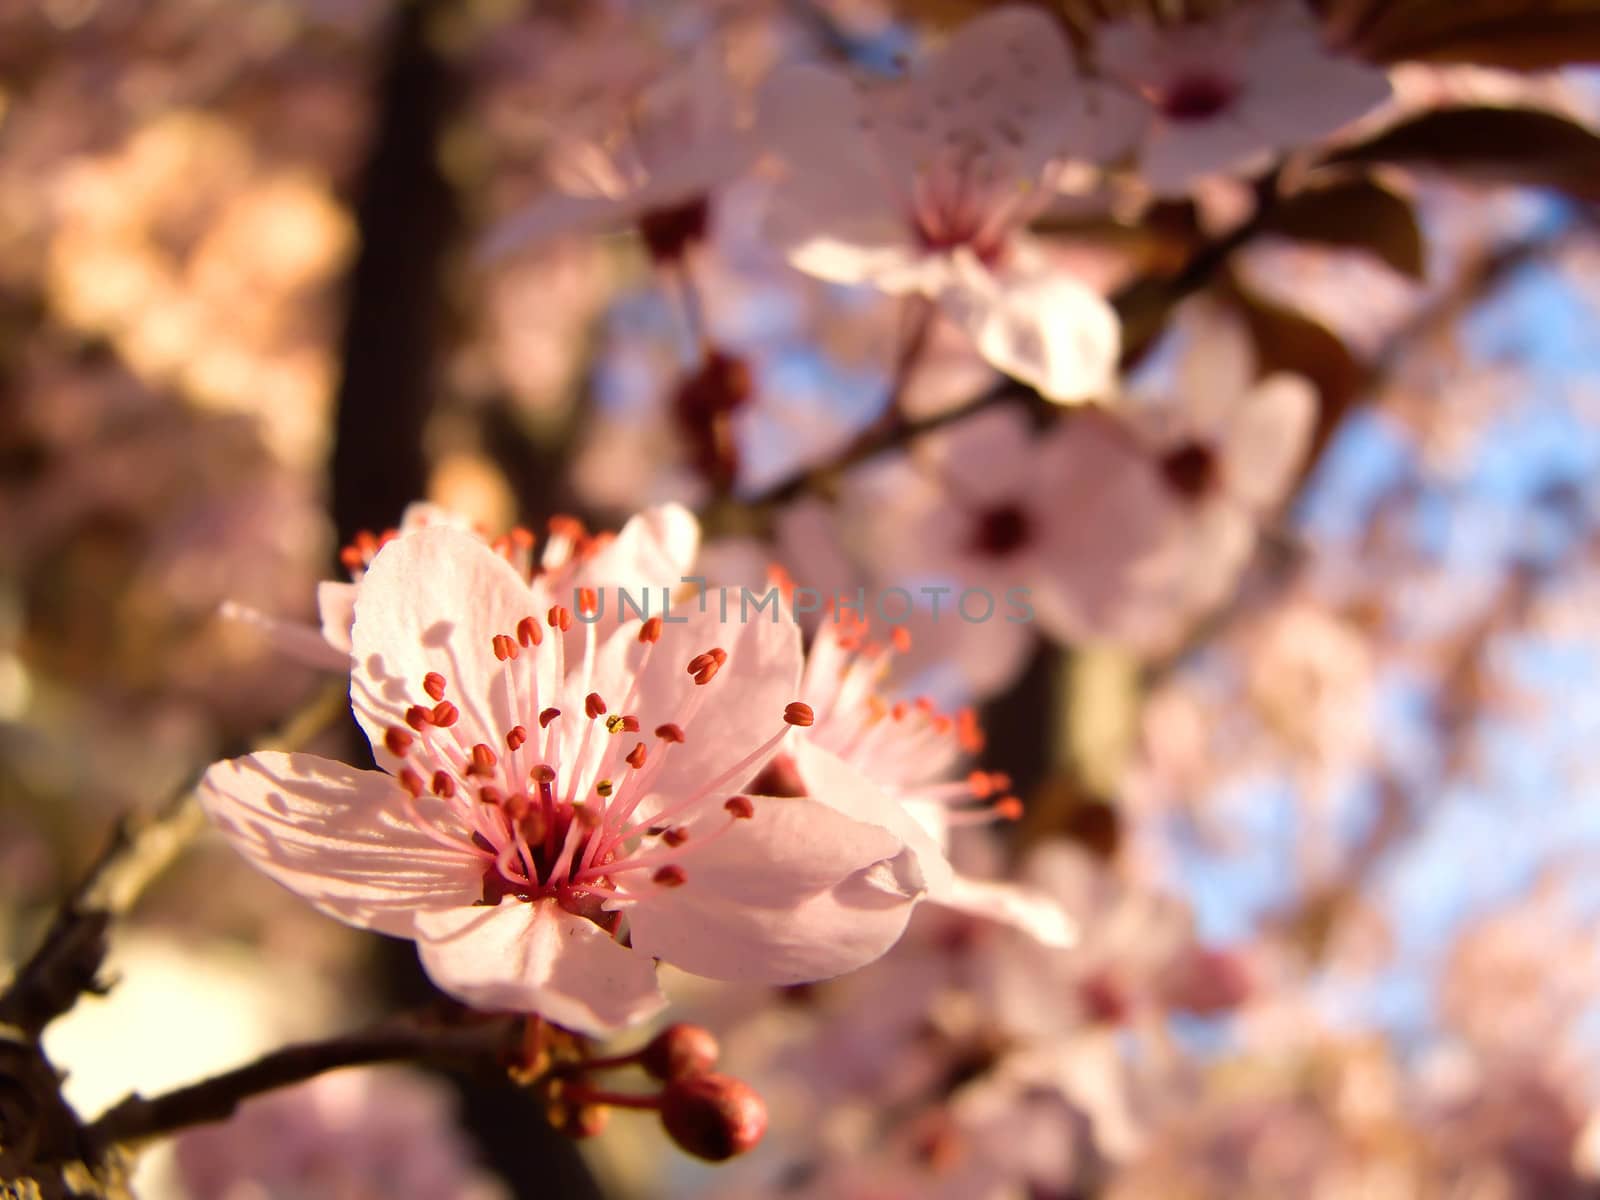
(669, 232)
(1002, 531)
(1197, 98)
(1191, 470)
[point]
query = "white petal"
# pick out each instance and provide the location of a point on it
(1027, 909)
(798, 892)
(333, 834)
(336, 610)
(1266, 442)
(1176, 154)
(850, 790)
(1045, 329)
(433, 601)
(655, 549)
(293, 639)
(1002, 83)
(738, 710)
(539, 958)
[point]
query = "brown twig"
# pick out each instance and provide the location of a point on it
(137, 1118)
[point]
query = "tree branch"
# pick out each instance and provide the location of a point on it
(482, 1042)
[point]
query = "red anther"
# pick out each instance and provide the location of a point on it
(588, 601)
(678, 1052)
(528, 632)
(877, 708)
(366, 543)
(543, 773)
(670, 733)
(445, 714)
(650, 631)
(1008, 808)
(516, 737)
(899, 711)
(980, 784)
(443, 785)
(628, 724)
(559, 618)
(418, 717)
(594, 705)
(483, 760)
(999, 780)
(798, 713)
(433, 684)
(942, 725)
(635, 757)
(521, 537)
(676, 836)
(700, 663)
(352, 559)
(900, 638)
(412, 782)
(741, 807)
(548, 715)
(712, 1116)
(505, 648)
(924, 705)
(718, 653)
(491, 795)
(670, 875)
(397, 741)
(501, 546)
(969, 734)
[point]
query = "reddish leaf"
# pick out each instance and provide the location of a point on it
(1358, 214)
(1492, 145)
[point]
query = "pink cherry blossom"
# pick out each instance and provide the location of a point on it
(915, 754)
(1221, 94)
(680, 142)
(923, 188)
(1055, 527)
(533, 803)
(1227, 447)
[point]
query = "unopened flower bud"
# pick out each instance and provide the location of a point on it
(678, 1051)
(714, 1117)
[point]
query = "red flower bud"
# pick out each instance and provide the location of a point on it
(714, 1117)
(678, 1051)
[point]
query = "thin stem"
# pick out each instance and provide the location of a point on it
(137, 1118)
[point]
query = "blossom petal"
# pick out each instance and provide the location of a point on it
(848, 790)
(434, 600)
(293, 639)
(797, 892)
(331, 833)
(1267, 442)
(734, 714)
(654, 549)
(1044, 328)
(336, 612)
(1023, 908)
(521, 957)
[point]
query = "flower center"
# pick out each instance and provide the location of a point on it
(553, 808)
(669, 232)
(1197, 98)
(1002, 530)
(1191, 470)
